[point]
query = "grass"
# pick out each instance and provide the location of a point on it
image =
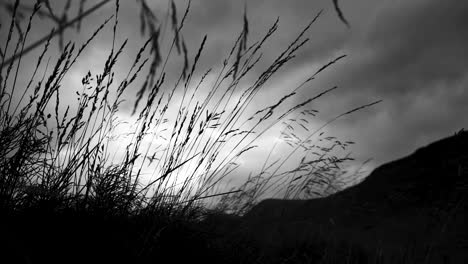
(66, 197)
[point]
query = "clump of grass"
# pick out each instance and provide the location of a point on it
(57, 162)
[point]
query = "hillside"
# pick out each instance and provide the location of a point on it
(415, 205)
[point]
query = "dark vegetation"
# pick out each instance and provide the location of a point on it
(412, 210)
(64, 197)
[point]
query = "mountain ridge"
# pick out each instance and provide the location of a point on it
(418, 200)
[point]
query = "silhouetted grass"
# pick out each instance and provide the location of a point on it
(65, 198)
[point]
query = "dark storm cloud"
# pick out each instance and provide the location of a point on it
(417, 41)
(412, 55)
(408, 53)
(221, 21)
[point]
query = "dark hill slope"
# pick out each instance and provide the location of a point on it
(416, 205)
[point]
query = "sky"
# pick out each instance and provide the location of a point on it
(410, 54)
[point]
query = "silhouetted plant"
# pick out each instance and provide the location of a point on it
(56, 158)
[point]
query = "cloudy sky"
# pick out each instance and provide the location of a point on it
(411, 54)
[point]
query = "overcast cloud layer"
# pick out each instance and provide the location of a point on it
(411, 54)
